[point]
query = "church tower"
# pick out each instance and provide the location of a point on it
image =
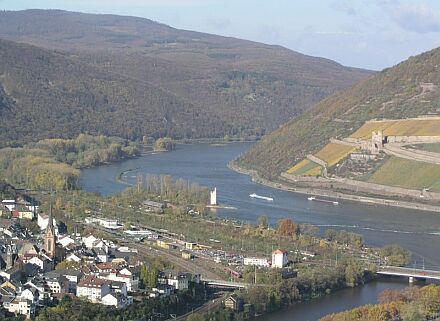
(49, 237)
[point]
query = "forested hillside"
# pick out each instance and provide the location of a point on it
(150, 79)
(409, 89)
(45, 94)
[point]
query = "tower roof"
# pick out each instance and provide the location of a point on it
(50, 219)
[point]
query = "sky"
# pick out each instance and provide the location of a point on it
(372, 34)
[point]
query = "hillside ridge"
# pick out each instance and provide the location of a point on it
(242, 89)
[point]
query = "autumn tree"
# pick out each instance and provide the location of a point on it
(287, 228)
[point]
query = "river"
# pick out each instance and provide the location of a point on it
(206, 164)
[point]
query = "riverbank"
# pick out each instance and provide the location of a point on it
(332, 194)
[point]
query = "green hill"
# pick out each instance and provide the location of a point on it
(211, 86)
(409, 89)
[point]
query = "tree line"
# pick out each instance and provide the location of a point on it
(52, 164)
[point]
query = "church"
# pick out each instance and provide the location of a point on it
(50, 246)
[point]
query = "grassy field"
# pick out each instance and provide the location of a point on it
(305, 168)
(333, 153)
(408, 174)
(411, 127)
(435, 148)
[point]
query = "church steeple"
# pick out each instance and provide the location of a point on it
(49, 237)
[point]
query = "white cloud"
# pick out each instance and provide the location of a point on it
(419, 18)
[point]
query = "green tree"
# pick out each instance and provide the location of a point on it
(263, 221)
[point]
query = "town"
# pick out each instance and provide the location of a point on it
(39, 269)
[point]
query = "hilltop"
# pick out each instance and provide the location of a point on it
(319, 144)
(219, 85)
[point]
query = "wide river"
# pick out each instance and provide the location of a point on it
(207, 165)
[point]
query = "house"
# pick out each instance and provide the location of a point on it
(44, 263)
(118, 287)
(30, 294)
(279, 258)
(105, 267)
(130, 275)
(23, 212)
(190, 245)
(187, 255)
(234, 302)
(43, 220)
(9, 204)
(40, 284)
(179, 281)
(73, 257)
(14, 273)
(57, 283)
(256, 261)
(192, 277)
(101, 255)
(117, 300)
(23, 307)
(89, 240)
(162, 290)
(7, 295)
(73, 276)
(93, 288)
(65, 241)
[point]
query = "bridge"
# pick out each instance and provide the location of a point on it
(411, 273)
(226, 284)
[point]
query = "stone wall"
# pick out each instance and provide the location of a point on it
(360, 187)
(413, 154)
(413, 139)
(317, 160)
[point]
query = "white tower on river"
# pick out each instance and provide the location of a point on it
(214, 197)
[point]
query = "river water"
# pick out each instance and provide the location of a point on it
(206, 164)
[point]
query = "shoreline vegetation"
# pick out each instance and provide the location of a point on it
(55, 164)
(332, 194)
(409, 304)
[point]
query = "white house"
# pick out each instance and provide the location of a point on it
(279, 258)
(88, 241)
(65, 240)
(93, 288)
(131, 277)
(180, 282)
(57, 283)
(114, 299)
(31, 294)
(256, 261)
(44, 264)
(23, 307)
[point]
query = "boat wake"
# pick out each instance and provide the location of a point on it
(269, 199)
